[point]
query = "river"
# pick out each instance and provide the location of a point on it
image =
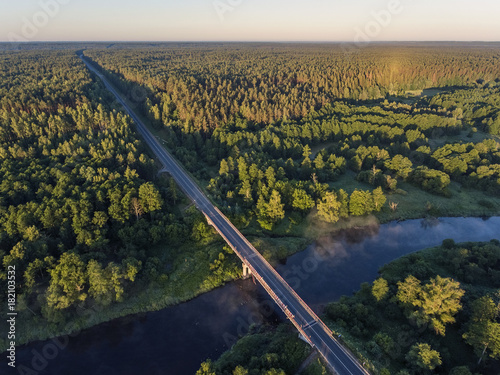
(175, 340)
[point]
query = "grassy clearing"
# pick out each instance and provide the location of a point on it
(465, 136)
(414, 203)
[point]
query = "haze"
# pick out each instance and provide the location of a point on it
(245, 20)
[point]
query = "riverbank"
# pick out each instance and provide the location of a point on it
(208, 325)
(374, 325)
(191, 272)
(176, 288)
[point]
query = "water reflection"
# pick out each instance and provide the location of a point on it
(429, 222)
(176, 340)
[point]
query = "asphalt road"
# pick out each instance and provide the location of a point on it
(302, 316)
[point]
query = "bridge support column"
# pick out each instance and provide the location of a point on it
(305, 340)
(209, 221)
(246, 271)
(164, 170)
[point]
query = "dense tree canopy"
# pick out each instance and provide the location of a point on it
(416, 318)
(77, 214)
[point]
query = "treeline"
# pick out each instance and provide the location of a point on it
(205, 87)
(382, 145)
(478, 106)
(265, 351)
(434, 311)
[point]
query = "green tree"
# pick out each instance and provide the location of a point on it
(100, 284)
(422, 356)
(484, 309)
(301, 200)
(483, 332)
(173, 189)
(270, 212)
(385, 342)
(408, 290)
(67, 283)
(271, 177)
(30, 275)
(439, 302)
(224, 168)
(246, 191)
(329, 208)
(149, 197)
(436, 303)
(275, 209)
(239, 370)
(484, 337)
(306, 152)
(379, 199)
(361, 203)
(206, 368)
(401, 165)
(380, 289)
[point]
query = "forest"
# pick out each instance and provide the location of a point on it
(77, 210)
(81, 206)
(260, 155)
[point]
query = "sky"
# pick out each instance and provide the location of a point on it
(250, 20)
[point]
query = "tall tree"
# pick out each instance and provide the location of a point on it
(149, 197)
(275, 209)
(379, 198)
(302, 201)
(67, 283)
(436, 303)
(380, 289)
(329, 208)
(483, 333)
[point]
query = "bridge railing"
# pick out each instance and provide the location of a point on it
(277, 275)
(290, 289)
(280, 303)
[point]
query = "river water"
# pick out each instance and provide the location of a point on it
(174, 341)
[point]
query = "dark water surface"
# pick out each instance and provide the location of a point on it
(174, 341)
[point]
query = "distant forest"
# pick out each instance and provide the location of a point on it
(280, 124)
(205, 87)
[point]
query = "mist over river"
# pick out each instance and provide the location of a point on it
(175, 340)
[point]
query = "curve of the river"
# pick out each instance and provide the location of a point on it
(174, 341)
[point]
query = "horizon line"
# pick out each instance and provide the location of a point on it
(247, 41)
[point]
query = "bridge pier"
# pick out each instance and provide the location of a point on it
(301, 336)
(246, 271)
(161, 171)
(209, 221)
